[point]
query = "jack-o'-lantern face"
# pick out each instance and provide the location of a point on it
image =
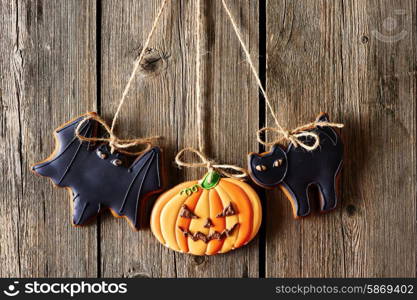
(206, 218)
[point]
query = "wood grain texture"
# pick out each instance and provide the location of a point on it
(47, 62)
(380, 86)
(162, 102)
(61, 58)
(331, 48)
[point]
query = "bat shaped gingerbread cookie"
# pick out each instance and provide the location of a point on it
(295, 169)
(98, 179)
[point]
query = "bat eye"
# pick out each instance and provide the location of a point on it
(116, 162)
(261, 168)
(101, 154)
(278, 162)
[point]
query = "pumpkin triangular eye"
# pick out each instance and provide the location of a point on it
(278, 162)
(227, 211)
(187, 213)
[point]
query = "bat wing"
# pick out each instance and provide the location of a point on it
(58, 165)
(67, 147)
(83, 209)
(146, 181)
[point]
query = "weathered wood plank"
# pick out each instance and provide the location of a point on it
(231, 120)
(125, 25)
(11, 179)
(47, 61)
(304, 77)
(370, 86)
(379, 208)
(164, 104)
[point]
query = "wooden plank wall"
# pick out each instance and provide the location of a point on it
(162, 102)
(331, 47)
(48, 76)
(61, 58)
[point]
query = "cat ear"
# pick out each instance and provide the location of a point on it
(253, 157)
(277, 150)
(322, 117)
(327, 131)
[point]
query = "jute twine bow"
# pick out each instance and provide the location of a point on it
(210, 165)
(293, 135)
(114, 142)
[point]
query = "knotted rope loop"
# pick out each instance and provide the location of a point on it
(114, 142)
(210, 165)
(294, 135)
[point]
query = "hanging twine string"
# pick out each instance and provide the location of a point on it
(200, 108)
(204, 161)
(210, 165)
(293, 135)
(116, 143)
(137, 63)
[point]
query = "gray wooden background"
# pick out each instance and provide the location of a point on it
(354, 59)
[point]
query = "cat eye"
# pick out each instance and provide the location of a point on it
(278, 163)
(260, 168)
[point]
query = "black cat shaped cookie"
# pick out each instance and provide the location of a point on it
(98, 179)
(294, 170)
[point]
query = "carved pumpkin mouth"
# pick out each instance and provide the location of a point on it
(216, 235)
(208, 237)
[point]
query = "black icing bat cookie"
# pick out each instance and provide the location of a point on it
(98, 179)
(296, 169)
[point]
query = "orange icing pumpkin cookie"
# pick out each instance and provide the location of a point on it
(214, 215)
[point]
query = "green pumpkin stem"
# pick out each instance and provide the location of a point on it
(210, 180)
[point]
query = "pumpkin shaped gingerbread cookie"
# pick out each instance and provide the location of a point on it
(212, 216)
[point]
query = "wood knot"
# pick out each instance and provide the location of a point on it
(351, 209)
(199, 260)
(153, 62)
(133, 274)
(364, 39)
